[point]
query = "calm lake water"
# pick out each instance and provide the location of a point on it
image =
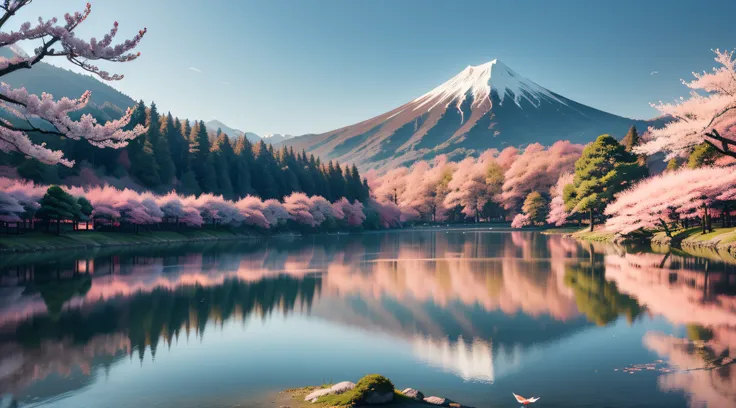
(471, 314)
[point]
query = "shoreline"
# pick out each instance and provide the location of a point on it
(80, 240)
(720, 242)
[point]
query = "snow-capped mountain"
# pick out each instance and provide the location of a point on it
(213, 125)
(484, 106)
(274, 138)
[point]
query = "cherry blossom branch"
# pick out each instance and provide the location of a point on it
(26, 107)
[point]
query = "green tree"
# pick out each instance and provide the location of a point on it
(32, 169)
(58, 205)
(224, 161)
(604, 169)
(536, 207)
(672, 165)
(631, 139)
(85, 210)
(144, 167)
(703, 155)
(263, 172)
(241, 173)
(157, 136)
(200, 159)
(189, 184)
(139, 117)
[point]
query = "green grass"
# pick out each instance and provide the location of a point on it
(364, 386)
(35, 241)
(596, 235)
(562, 230)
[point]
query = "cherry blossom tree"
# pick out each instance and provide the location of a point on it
(322, 210)
(707, 116)
(26, 193)
(423, 194)
(10, 208)
(251, 209)
(557, 214)
(471, 187)
(352, 213)
(389, 214)
(58, 40)
(275, 212)
(298, 205)
(657, 201)
(391, 185)
(537, 169)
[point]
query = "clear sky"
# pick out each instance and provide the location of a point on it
(309, 66)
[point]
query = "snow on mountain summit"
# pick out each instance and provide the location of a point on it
(478, 81)
(483, 106)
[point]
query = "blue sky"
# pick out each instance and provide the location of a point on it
(278, 66)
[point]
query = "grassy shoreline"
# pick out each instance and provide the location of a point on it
(721, 241)
(39, 241)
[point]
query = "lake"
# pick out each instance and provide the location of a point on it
(469, 314)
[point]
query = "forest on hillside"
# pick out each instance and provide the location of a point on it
(183, 155)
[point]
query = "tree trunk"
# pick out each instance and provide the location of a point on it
(704, 219)
(592, 221)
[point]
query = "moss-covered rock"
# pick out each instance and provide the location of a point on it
(371, 389)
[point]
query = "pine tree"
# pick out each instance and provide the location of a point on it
(263, 172)
(631, 139)
(241, 173)
(178, 144)
(160, 145)
(189, 184)
(224, 156)
(201, 161)
(144, 167)
(139, 117)
(536, 207)
(703, 154)
(672, 165)
(604, 169)
(58, 205)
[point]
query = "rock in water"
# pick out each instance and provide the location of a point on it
(413, 394)
(443, 402)
(341, 387)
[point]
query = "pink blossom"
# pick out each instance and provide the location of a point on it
(59, 40)
(648, 203)
(389, 213)
(251, 209)
(695, 118)
(537, 169)
(352, 213)
(298, 205)
(275, 212)
(557, 214)
(321, 210)
(520, 220)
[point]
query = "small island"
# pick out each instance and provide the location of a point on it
(372, 389)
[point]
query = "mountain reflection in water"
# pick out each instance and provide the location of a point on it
(482, 306)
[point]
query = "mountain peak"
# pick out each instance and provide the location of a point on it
(478, 81)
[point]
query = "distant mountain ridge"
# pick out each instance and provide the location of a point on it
(484, 106)
(215, 124)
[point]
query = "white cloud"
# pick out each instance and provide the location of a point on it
(654, 73)
(194, 69)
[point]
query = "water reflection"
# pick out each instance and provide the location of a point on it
(480, 305)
